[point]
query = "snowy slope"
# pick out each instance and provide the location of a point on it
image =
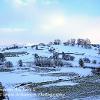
(36, 75)
(88, 53)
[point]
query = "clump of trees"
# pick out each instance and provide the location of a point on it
(47, 61)
(71, 42)
(57, 42)
(86, 43)
(8, 64)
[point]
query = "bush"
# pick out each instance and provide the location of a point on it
(20, 63)
(86, 60)
(2, 57)
(94, 61)
(51, 49)
(47, 62)
(72, 58)
(8, 64)
(36, 55)
(66, 43)
(68, 57)
(81, 63)
(58, 62)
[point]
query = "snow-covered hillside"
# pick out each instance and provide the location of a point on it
(77, 52)
(57, 76)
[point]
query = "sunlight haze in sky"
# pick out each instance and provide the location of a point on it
(33, 21)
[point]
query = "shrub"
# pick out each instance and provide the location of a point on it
(20, 63)
(81, 63)
(51, 49)
(68, 57)
(72, 58)
(86, 60)
(94, 61)
(47, 62)
(66, 43)
(2, 57)
(8, 64)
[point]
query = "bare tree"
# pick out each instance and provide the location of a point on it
(57, 42)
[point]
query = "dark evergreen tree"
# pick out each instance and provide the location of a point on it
(81, 63)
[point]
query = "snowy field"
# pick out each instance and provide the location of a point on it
(41, 78)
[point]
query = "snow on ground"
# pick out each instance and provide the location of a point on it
(61, 84)
(74, 49)
(20, 76)
(13, 78)
(24, 58)
(88, 53)
(77, 70)
(29, 57)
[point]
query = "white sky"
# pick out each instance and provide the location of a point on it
(25, 21)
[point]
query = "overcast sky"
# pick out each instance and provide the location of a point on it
(27, 21)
